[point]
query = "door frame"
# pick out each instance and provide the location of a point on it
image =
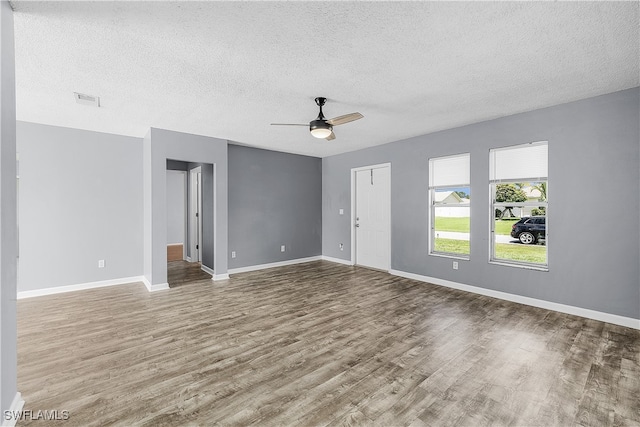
(186, 215)
(195, 230)
(354, 243)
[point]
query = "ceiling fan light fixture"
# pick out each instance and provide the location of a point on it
(320, 129)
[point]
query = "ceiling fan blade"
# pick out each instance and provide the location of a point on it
(330, 137)
(289, 124)
(340, 120)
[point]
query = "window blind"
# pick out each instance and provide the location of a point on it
(449, 171)
(526, 162)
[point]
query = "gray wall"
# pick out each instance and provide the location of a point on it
(274, 199)
(80, 202)
(8, 229)
(176, 206)
(593, 164)
(177, 165)
(158, 146)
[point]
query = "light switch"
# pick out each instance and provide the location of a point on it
(341, 211)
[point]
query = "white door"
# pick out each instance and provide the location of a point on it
(195, 216)
(372, 211)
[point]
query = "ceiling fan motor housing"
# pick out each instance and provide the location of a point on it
(320, 128)
(319, 124)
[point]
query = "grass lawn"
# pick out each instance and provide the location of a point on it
(452, 246)
(503, 226)
(461, 225)
(531, 253)
(444, 223)
(526, 253)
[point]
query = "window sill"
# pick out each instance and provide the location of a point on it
(525, 266)
(446, 255)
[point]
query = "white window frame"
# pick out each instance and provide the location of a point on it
(533, 204)
(433, 204)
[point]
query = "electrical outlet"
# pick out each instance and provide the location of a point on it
(455, 265)
(233, 254)
(282, 248)
(100, 263)
(341, 247)
(341, 211)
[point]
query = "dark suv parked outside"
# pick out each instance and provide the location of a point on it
(530, 229)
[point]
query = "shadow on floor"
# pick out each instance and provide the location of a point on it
(183, 272)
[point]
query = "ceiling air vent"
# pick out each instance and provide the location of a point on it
(83, 99)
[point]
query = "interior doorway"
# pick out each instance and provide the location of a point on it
(190, 213)
(371, 210)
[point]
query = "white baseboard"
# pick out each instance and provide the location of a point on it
(273, 264)
(156, 287)
(337, 260)
(217, 277)
(79, 287)
(207, 270)
(562, 308)
(188, 259)
(13, 412)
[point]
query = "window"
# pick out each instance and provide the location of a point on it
(450, 214)
(519, 207)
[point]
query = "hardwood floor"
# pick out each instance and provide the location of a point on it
(320, 344)
(183, 272)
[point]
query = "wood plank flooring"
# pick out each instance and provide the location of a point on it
(320, 344)
(182, 272)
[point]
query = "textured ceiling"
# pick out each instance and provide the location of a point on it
(229, 69)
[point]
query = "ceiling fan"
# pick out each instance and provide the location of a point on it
(321, 127)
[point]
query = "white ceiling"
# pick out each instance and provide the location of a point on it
(229, 69)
